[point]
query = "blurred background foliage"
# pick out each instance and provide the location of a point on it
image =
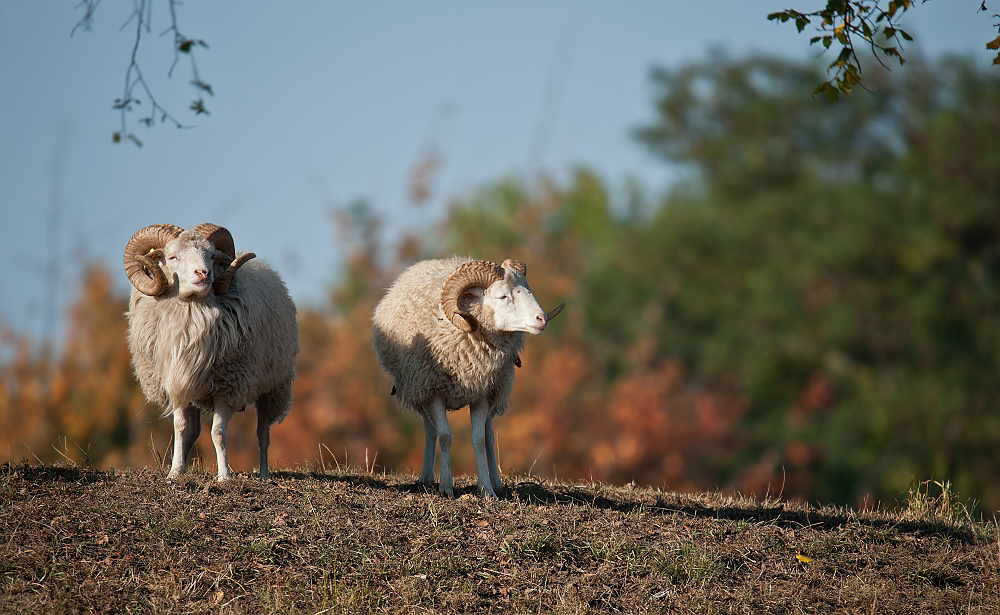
(812, 310)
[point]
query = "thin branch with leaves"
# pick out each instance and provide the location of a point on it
(849, 22)
(845, 22)
(142, 16)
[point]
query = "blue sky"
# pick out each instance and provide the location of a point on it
(318, 104)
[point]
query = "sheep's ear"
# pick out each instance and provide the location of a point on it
(470, 296)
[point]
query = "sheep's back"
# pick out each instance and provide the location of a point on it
(427, 356)
(260, 354)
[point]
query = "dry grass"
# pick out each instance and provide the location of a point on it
(345, 541)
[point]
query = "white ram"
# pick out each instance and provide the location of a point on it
(209, 330)
(450, 333)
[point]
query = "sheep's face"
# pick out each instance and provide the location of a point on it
(189, 261)
(508, 305)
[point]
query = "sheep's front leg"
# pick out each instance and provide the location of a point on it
(491, 455)
(187, 428)
(220, 421)
(479, 412)
(438, 414)
(430, 447)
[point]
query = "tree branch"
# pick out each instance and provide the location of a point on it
(844, 22)
(141, 14)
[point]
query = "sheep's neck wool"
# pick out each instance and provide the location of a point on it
(192, 334)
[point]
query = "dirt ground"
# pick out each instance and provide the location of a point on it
(81, 540)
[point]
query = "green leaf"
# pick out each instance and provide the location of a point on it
(906, 37)
(198, 107)
(185, 46)
(828, 89)
(117, 137)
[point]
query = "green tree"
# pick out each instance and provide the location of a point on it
(838, 265)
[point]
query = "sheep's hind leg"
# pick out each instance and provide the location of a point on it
(430, 448)
(438, 414)
(187, 428)
(480, 415)
(220, 421)
(263, 442)
(271, 408)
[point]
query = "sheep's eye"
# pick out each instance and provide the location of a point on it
(502, 297)
(173, 258)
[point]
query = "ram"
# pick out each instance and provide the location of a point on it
(209, 330)
(450, 333)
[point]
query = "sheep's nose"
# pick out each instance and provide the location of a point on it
(201, 274)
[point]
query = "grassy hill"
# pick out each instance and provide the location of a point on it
(76, 539)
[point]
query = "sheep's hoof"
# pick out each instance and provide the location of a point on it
(447, 492)
(174, 474)
(487, 493)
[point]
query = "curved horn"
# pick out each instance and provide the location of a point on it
(516, 265)
(220, 237)
(221, 285)
(554, 312)
(144, 274)
(473, 273)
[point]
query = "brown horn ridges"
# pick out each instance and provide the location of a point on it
(466, 276)
(144, 274)
(221, 285)
(220, 237)
(516, 265)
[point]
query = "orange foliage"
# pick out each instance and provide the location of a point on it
(82, 405)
